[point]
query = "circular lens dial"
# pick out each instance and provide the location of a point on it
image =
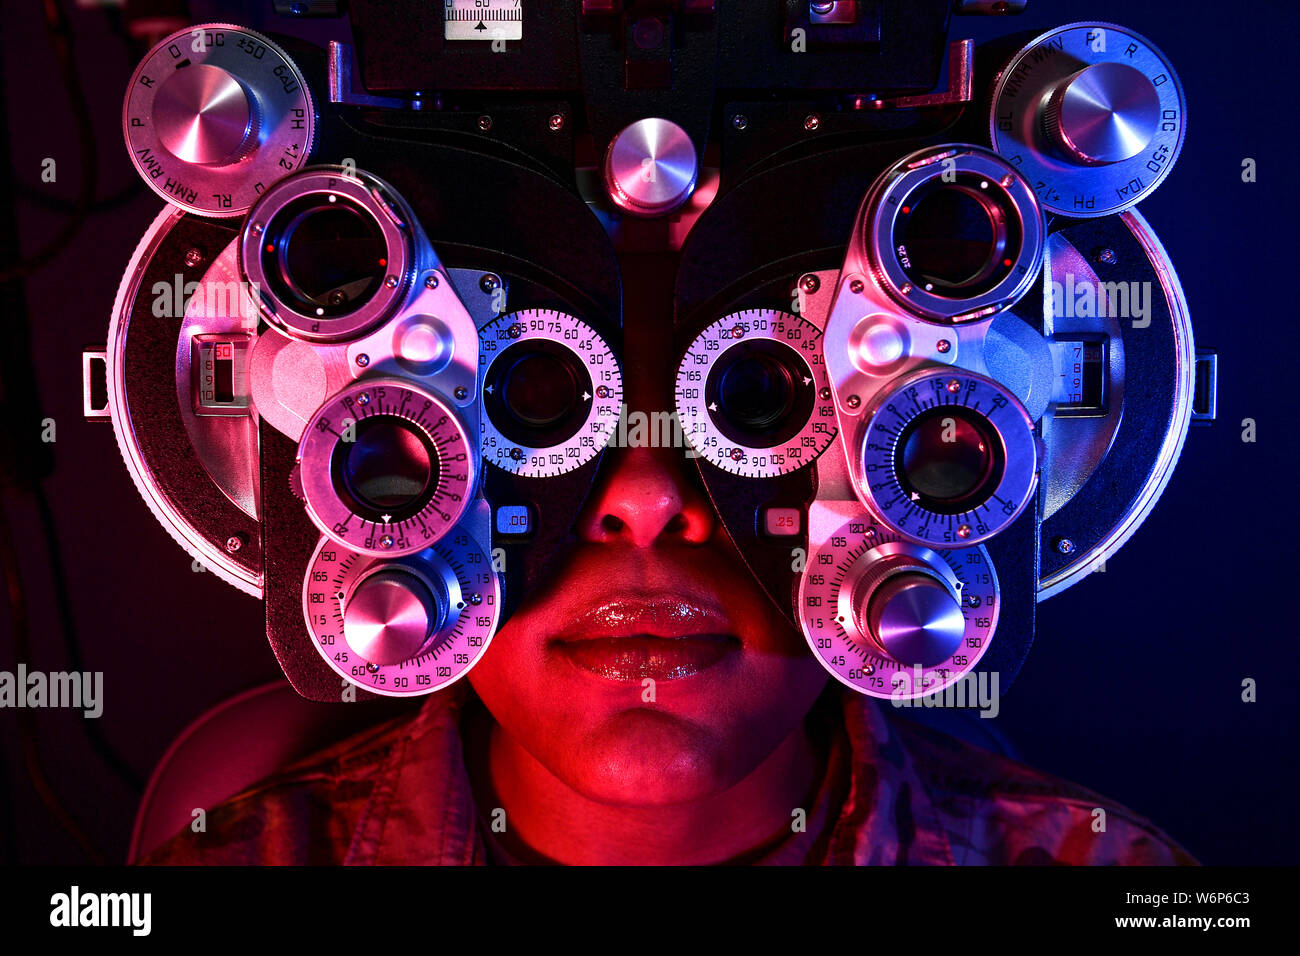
(552, 392)
(214, 116)
(957, 238)
(893, 619)
(324, 255)
(328, 253)
(385, 468)
(753, 395)
(948, 457)
(388, 468)
(1093, 115)
(954, 233)
(402, 628)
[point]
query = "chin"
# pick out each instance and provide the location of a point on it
(645, 757)
(702, 736)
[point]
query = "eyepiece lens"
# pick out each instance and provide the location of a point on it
(538, 393)
(325, 255)
(539, 389)
(756, 392)
(951, 458)
(389, 467)
(958, 239)
(760, 393)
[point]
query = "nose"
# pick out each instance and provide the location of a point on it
(646, 499)
(643, 495)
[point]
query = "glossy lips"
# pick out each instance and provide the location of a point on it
(659, 636)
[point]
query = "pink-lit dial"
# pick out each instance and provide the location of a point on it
(893, 619)
(385, 468)
(407, 627)
(214, 116)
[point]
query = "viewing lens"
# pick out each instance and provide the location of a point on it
(756, 392)
(389, 468)
(324, 258)
(760, 393)
(958, 239)
(538, 393)
(539, 389)
(951, 458)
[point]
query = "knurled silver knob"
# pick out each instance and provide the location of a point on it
(908, 613)
(1106, 113)
(204, 115)
(651, 167)
(390, 616)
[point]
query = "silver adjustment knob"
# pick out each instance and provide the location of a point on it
(390, 616)
(909, 613)
(204, 115)
(650, 167)
(215, 115)
(1106, 113)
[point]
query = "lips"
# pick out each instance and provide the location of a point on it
(662, 636)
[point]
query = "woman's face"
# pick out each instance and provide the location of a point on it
(650, 668)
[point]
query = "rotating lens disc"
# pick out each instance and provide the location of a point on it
(852, 637)
(402, 628)
(752, 394)
(1093, 115)
(552, 392)
(385, 468)
(215, 115)
(948, 458)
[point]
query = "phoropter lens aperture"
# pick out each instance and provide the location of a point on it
(953, 233)
(328, 253)
(538, 393)
(958, 239)
(324, 255)
(760, 393)
(389, 468)
(385, 468)
(950, 458)
(756, 391)
(539, 389)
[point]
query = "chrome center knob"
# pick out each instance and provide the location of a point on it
(204, 115)
(651, 167)
(390, 616)
(910, 615)
(1106, 113)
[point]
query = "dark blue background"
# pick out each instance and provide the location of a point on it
(1133, 687)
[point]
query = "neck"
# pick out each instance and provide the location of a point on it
(549, 819)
